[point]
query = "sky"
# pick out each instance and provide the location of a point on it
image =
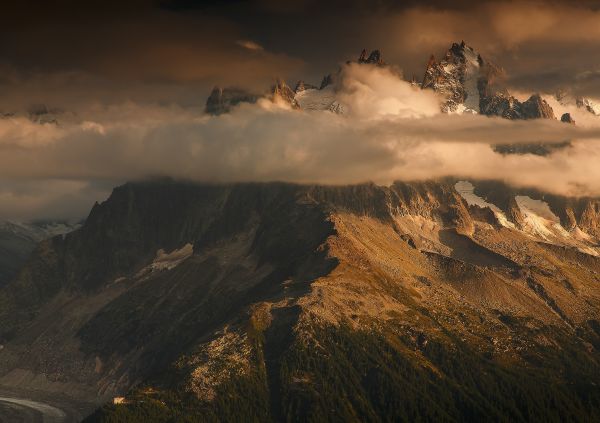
(128, 82)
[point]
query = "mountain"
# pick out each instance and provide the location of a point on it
(18, 240)
(40, 114)
(470, 84)
(304, 96)
(565, 98)
(459, 77)
(374, 58)
(466, 81)
(222, 100)
(439, 301)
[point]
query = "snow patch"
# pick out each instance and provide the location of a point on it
(449, 68)
(541, 222)
(467, 191)
(539, 219)
(471, 78)
(37, 231)
(324, 99)
(168, 261)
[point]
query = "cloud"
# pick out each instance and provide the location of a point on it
(391, 131)
(250, 45)
(373, 92)
(173, 50)
(152, 48)
(25, 199)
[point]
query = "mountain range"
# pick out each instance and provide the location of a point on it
(466, 82)
(441, 300)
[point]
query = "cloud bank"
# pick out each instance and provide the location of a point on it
(391, 131)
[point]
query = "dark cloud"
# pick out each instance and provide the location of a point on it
(195, 41)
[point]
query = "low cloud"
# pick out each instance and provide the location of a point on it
(392, 131)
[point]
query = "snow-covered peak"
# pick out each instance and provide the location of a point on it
(536, 220)
(37, 231)
(315, 99)
(565, 98)
(456, 78)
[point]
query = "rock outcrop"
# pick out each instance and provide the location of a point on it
(222, 100)
(303, 86)
(566, 118)
(280, 91)
(374, 58)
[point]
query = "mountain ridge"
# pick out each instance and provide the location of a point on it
(281, 278)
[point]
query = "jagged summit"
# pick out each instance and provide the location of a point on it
(373, 59)
(302, 86)
(566, 98)
(280, 91)
(456, 77)
(222, 100)
(469, 83)
(566, 118)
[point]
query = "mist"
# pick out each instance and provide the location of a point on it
(391, 131)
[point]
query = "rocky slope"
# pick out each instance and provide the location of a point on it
(431, 300)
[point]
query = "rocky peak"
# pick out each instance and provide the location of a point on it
(222, 100)
(457, 52)
(470, 83)
(505, 105)
(537, 107)
(430, 63)
(41, 113)
(514, 213)
(373, 59)
(363, 56)
(566, 118)
(567, 98)
(303, 86)
(328, 80)
(589, 105)
(456, 78)
(280, 91)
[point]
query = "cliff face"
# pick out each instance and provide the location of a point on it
(281, 296)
